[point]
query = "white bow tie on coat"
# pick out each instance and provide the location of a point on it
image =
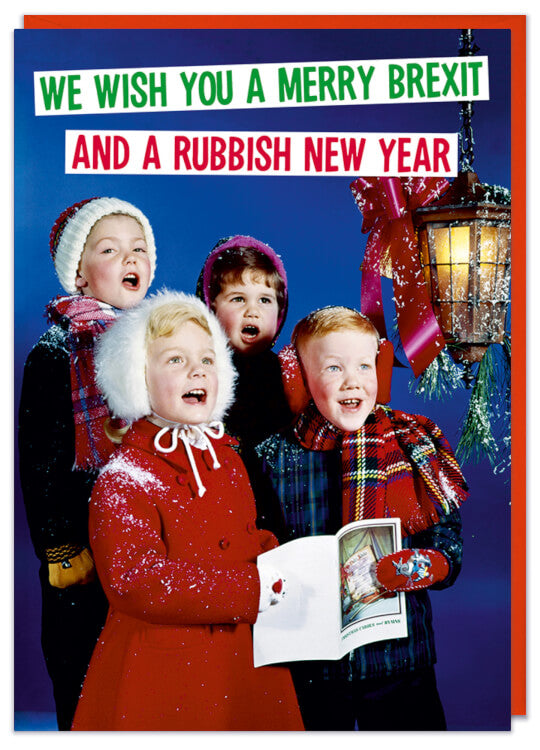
(196, 435)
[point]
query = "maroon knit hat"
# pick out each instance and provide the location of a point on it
(60, 223)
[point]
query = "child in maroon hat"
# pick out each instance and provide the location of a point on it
(244, 282)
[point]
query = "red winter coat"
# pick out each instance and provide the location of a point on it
(180, 575)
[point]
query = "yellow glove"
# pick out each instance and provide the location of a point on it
(81, 570)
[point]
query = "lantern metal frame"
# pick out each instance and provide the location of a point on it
(469, 281)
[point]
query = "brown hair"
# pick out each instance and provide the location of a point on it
(230, 266)
(329, 320)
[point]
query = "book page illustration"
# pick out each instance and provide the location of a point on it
(361, 594)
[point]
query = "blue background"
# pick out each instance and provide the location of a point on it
(315, 226)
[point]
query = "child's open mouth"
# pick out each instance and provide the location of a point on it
(350, 403)
(250, 332)
(196, 396)
(131, 281)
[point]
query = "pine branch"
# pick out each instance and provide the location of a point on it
(440, 378)
(477, 439)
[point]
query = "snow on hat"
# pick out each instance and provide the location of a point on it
(121, 358)
(71, 229)
(241, 240)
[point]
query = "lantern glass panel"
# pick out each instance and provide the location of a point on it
(502, 281)
(460, 241)
(504, 240)
(441, 243)
(440, 258)
(488, 252)
(445, 283)
(489, 244)
(486, 280)
(460, 282)
(459, 247)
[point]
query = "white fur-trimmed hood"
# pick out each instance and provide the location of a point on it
(121, 358)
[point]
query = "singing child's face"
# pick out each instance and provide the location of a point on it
(341, 375)
(115, 267)
(248, 311)
(181, 375)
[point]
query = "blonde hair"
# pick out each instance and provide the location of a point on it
(114, 433)
(166, 318)
(162, 321)
(330, 320)
(121, 353)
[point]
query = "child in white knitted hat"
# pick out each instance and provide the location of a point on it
(172, 528)
(104, 255)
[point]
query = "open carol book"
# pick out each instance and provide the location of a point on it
(333, 601)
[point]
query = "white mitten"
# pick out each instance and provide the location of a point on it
(272, 588)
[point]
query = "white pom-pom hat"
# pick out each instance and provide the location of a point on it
(121, 358)
(71, 229)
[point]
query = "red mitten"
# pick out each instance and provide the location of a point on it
(412, 569)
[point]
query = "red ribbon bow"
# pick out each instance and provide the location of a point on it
(387, 204)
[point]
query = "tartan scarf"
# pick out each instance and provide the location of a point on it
(86, 318)
(396, 465)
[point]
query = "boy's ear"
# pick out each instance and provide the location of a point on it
(80, 281)
(293, 381)
(385, 361)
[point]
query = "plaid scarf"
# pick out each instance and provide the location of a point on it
(86, 319)
(396, 465)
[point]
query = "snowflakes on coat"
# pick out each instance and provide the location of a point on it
(180, 574)
(126, 465)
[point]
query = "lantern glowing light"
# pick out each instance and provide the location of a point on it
(464, 243)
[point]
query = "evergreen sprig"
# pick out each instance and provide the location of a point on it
(504, 411)
(440, 378)
(477, 439)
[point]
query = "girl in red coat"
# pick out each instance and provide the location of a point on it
(172, 529)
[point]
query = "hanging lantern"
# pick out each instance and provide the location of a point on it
(464, 244)
(464, 249)
(448, 254)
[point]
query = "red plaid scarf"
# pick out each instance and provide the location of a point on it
(86, 318)
(396, 465)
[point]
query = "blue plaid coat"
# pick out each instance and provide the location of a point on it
(299, 494)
